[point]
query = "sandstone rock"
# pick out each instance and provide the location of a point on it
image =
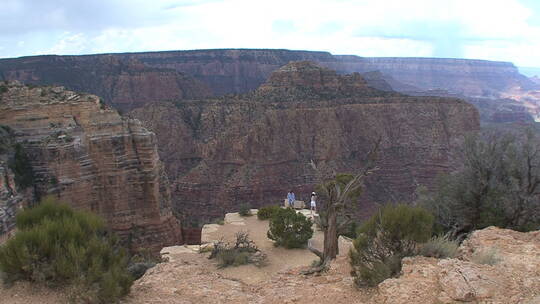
(234, 219)
(87, 155)
(516, 279)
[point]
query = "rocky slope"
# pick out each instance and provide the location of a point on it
(252, 148)
(189, 277)
(123, 83)
(514, 278)
(84, 153)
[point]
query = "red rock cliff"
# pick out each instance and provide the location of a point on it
(125, 84)
(252, 148)
(87, 155)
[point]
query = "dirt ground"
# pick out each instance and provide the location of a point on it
(279, 258)
(191, 278)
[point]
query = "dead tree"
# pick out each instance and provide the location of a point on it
(341, 192)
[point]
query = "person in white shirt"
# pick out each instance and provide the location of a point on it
(313, 203)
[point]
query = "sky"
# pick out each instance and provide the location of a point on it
(502, 30)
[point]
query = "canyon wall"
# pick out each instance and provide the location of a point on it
(130, 80)
(87, 155)
(241, 70)
(253, 148)
(125, 84)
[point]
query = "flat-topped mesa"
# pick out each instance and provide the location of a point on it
(306, 79)
(86, 154)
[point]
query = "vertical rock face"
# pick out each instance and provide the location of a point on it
(255, 147)
(125, 84)
(11, 200)
(87, 155)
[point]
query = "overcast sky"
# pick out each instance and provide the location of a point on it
(507, 30)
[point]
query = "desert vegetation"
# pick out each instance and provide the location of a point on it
(497, 185)
(245, 210)
(243, 251)
(267, 212)
(60, 247)
(289, 229)
(20, 165)
(385, 239)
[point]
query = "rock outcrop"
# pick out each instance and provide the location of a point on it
(86, 154)
(11, 198)
(123, 83)
(253, 148)
(514, 278)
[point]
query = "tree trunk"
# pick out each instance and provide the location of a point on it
(331, 248)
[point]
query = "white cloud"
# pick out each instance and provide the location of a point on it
(486, 29)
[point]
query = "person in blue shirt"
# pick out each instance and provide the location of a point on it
(291, 198)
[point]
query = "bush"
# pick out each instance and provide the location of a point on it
(439, 247)
(289, 229)
(244, 251)
(496, 186)
(59, 246)
(267, 212)
(387, 237)
(245, 210)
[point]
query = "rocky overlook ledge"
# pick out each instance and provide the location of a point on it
(86, 154)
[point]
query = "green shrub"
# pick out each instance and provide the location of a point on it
(388, 236)
(492, 188)
(439, 247)
(59, 246)
(486, 257)
(289, 229)
(245, 210)
(267, 212)
(242, 252)
(20, 165)
(3, 88)
(350, 230)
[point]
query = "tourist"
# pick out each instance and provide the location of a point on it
(291, 198)
(313, 203)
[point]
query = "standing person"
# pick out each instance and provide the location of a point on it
(291, 198)
(313, 203)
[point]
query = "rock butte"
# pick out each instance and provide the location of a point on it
(252, 148)
(86, 154)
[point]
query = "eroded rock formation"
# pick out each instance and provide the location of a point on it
(252, 148)
(86, 154)
(123, 83)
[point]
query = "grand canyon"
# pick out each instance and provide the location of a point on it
(161, 144)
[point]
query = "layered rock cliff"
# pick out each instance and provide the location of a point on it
(86, 154)
(130, 80)
(253, 148)
(241, 70)
(123, 83)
